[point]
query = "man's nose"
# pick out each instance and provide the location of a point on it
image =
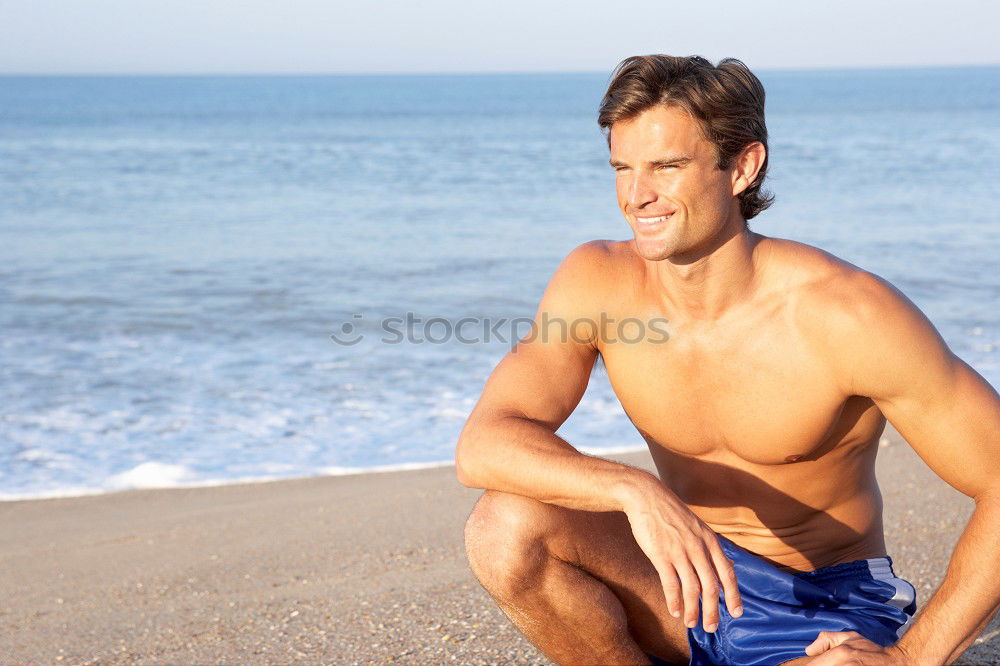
(640, 191)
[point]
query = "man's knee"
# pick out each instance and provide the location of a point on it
(504, 540)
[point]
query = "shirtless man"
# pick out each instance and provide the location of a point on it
(762, 411)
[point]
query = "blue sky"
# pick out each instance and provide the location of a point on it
(338, 36)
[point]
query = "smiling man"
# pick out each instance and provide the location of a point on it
(760, 541)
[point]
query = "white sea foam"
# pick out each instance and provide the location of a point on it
(612, 450)
(67, 491)
(151, 475)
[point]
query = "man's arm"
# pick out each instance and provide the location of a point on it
(509, 442)
(886, 349)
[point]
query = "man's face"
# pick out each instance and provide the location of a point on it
(669, 186)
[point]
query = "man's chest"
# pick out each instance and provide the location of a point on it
(761, 395)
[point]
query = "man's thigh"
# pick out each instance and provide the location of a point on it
(602, 545)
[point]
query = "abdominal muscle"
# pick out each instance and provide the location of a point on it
(800, 516)
(808, 545)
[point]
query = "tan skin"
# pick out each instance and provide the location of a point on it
(762, 413)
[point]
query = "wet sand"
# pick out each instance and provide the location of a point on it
(366, 569)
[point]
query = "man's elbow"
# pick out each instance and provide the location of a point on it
(465, 458)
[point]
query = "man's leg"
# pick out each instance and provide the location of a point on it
(574, 582)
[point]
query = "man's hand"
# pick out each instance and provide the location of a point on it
(686, 554)
(850, 647)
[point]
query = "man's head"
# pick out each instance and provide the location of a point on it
(723, 104)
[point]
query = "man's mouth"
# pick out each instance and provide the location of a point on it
(647, 222)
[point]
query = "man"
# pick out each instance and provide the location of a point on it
(761, 541)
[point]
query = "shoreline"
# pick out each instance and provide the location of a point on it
(326, 472)
(354, 569)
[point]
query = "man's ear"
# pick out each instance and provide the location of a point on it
(747, 165)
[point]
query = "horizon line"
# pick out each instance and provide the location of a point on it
(498, 72)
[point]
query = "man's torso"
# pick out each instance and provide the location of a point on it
(744, 416)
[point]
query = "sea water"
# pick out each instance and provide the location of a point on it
(176, 253)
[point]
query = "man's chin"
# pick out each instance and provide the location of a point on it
(654, 249)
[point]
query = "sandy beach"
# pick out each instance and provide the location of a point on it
(365, 569)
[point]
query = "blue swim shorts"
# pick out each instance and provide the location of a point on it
(783, 612)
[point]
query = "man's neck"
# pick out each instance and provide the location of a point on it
(708, 286)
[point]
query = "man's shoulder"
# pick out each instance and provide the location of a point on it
(845, 312)
(822, 283)
(589, 278)
(599, 263)
(602, 253)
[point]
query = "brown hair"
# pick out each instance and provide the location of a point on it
(727, 101)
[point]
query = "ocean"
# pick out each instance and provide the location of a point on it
(178, 253)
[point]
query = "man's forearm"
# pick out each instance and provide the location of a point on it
(517, 455)
(967, 598)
